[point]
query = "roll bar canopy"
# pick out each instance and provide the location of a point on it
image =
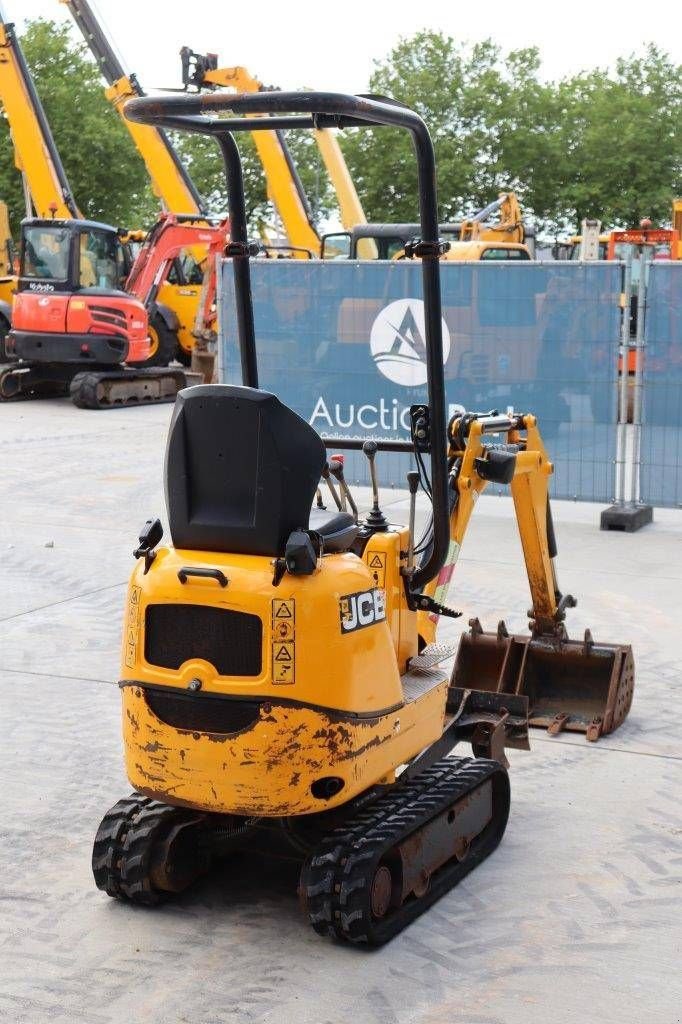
(210, 114)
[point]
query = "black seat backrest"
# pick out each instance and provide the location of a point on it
(241, 470)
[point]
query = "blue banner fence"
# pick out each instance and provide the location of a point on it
(660, 478)
(342, 344)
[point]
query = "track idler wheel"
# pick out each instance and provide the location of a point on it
(144, 850)
(368, 879)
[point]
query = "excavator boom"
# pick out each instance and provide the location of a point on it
(170, 181)
(36, 155)
(284, 186)
(509, 227)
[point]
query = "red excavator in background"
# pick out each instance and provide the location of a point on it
(80, 317)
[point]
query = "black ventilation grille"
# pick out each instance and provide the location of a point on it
(230, 641)
(202, 714)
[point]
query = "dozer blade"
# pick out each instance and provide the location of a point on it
(573, 685)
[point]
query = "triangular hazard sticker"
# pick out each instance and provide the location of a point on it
(376, 563)
(283, 654)
(283, 612)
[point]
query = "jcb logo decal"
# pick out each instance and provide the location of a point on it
(363, 609)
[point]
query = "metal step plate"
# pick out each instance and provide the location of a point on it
(432, 655)
(416, 684)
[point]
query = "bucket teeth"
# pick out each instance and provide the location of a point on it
(557, 725)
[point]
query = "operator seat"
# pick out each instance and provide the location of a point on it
(241, 473)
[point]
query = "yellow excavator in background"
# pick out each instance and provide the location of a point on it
(471, 239)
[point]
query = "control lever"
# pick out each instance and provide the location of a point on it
(326, 475)
(336, 470)
(413, 486)
(318, 500)
(376, 520)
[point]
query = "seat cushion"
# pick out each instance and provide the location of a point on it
(337, 529)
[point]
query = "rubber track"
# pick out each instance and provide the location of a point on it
(84, 387)
(335, 880)
(123, 847)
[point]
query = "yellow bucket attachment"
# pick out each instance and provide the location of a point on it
(580, 686)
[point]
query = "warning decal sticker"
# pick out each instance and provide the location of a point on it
(133, 627)
(283, 641)
(376, 561)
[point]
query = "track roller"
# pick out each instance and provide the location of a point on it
(145, 850)
(375, 874)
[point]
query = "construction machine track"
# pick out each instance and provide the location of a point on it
(20, 382)
(355, 886)
(145, 850)
(111, 388)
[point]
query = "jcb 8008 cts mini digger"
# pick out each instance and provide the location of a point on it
(280, 672)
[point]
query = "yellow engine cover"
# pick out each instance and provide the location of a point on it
(324, 685)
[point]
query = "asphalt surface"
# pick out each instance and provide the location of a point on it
(577, 917)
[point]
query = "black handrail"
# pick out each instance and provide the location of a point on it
(324, 110)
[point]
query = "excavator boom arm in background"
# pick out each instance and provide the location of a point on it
(201, 71)
(169, 237)
(170, 181)
(36, 155)
(509, 227)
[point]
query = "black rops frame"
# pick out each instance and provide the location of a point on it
(287, 110)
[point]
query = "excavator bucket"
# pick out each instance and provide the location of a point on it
(580, 686)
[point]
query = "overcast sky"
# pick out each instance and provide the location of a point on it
(324, 45)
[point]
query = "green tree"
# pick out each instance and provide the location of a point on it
(600, 144)
(106, 174)
(471, 98)
(622, 138)
(202, 159)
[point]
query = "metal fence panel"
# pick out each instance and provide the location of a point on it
(342, 344)
(661, 443)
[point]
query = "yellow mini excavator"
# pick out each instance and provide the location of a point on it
(281, 681)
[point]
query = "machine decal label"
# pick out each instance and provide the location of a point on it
(133, 627)
(397, 342)
(363, 609)
(283, 641)
(376, 560)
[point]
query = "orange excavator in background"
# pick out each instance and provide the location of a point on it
(79, 323)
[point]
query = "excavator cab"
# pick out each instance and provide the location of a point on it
(282, 685)
(69, 309)
(72, 255)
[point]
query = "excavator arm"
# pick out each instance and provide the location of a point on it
(35, 152)
(170, 236)
(509, 227)
(524, 464)
(578, 685)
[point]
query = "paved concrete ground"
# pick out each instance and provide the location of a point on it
(576, 918)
